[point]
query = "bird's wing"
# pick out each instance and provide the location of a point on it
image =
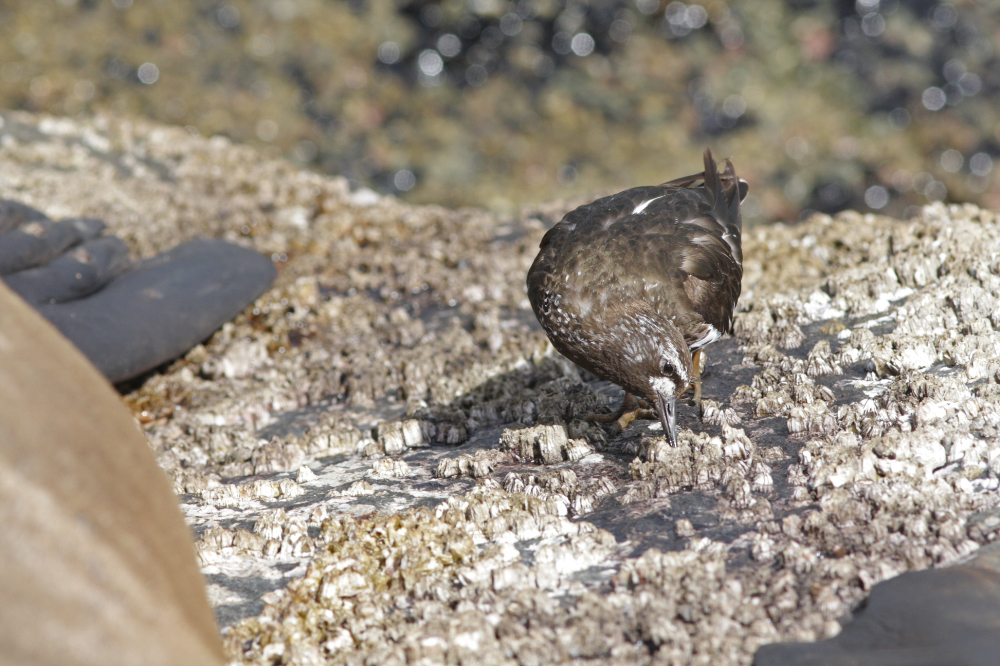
(712, 252)
(674, 242)
(599, 216)
(712, 279)
(687, 270)
(693, 237)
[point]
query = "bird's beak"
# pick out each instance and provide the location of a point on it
(665, 406)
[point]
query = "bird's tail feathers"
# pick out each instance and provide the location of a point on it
(736, 192)
(714, 187)
(726, 191)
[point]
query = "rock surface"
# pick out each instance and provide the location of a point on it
(384, 463)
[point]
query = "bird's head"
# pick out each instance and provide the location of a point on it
(653, 362)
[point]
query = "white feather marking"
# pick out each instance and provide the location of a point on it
(710, 336)
(663, 385)
(732, 243)
(641, 207)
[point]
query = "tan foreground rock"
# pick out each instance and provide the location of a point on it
(384, 461)
(98, 567)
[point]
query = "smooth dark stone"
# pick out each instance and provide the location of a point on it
(14, 213)
(40, 241)
(76, 274)
(164, 307)
(936, 617)
(87, 227)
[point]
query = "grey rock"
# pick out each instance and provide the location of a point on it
(936, 617)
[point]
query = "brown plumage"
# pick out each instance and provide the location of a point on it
(630, 285)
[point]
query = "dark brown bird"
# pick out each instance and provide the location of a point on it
(632, 286)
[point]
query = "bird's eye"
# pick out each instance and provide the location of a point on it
(668, 368)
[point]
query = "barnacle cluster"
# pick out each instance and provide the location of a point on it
(733, 464)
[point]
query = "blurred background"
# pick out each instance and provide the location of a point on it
(876, 105)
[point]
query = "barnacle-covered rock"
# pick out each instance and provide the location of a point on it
(215, 538)
(683, 528)
(388, 313)
(774, 324)
(388, 468)
(984, 526)
(452, 434)
(278, 456)
(260, 490)
(271, 524)
(737, 444)
(397, 436)
(745, 395)
(304, 474)
(850, 512)
(588, 431)
(820, 360)
(760, 478)
(775, 402)
(543, 444)
(359, 489)
(248, 542)
(477, 465)
(811, 419)
(714, 414)
(639, 491)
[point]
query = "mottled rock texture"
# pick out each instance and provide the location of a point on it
(384, 461)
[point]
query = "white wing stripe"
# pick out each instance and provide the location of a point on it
(641, 207)
(710, 336)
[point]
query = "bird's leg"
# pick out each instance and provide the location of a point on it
(624, 415)
(697, 365)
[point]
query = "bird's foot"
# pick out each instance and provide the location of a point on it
(630, 410)
(630, 402)
(625, 420)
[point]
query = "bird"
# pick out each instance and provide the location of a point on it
(634, 285)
